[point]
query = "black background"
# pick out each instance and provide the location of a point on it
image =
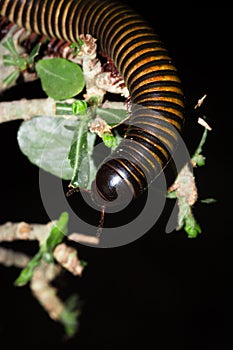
(161, 290)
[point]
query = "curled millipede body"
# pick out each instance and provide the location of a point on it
(148, 72)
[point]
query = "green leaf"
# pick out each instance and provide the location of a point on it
(112, 116)
(208, 200)
(10, 46)
(109, 140)
(78, 155)
(46, 142)
(33, 53)
(8, 60)
(171, 195)
(16, 61)
(60, 78)
(199, 159)
(70, 314)
(12, 77)
(58, 231)
(78, 107)
(27, 273)
(56, 236)
(21, 63)
(186, 219)
(83, 263)
(76, 47)
(191, 226)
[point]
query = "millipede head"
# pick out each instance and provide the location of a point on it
(110, 189)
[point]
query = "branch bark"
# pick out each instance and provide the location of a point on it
(65, 257)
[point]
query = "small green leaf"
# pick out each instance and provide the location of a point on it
(46, 142)
(199, 159)
(8, 60)
(83, 263)
(21, 63)
(12, 77)
(16, 61)
(78, 155)
(33, 53)
(171, 195)
(109, 140)
(191, 226)
(70, 314)
(60, 78)
(112, 116)
(186, 219)
(56, 236)
(27, 273)
(10, 46)
(79, 107)
(76, 47)
(208, 200)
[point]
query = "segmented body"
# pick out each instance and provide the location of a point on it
(148, 72)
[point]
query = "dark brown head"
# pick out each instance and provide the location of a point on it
(111, 187)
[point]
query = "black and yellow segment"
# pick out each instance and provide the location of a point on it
(144, 64)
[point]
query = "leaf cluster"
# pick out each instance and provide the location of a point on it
(64, 147)
(56, 236)
(57, 145)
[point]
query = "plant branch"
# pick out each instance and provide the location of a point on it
(44, 273)
(184, 188)
(9, 257)
(27, 109)
(44, 292)
(24, 231)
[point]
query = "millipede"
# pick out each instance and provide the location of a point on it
(147, 69)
